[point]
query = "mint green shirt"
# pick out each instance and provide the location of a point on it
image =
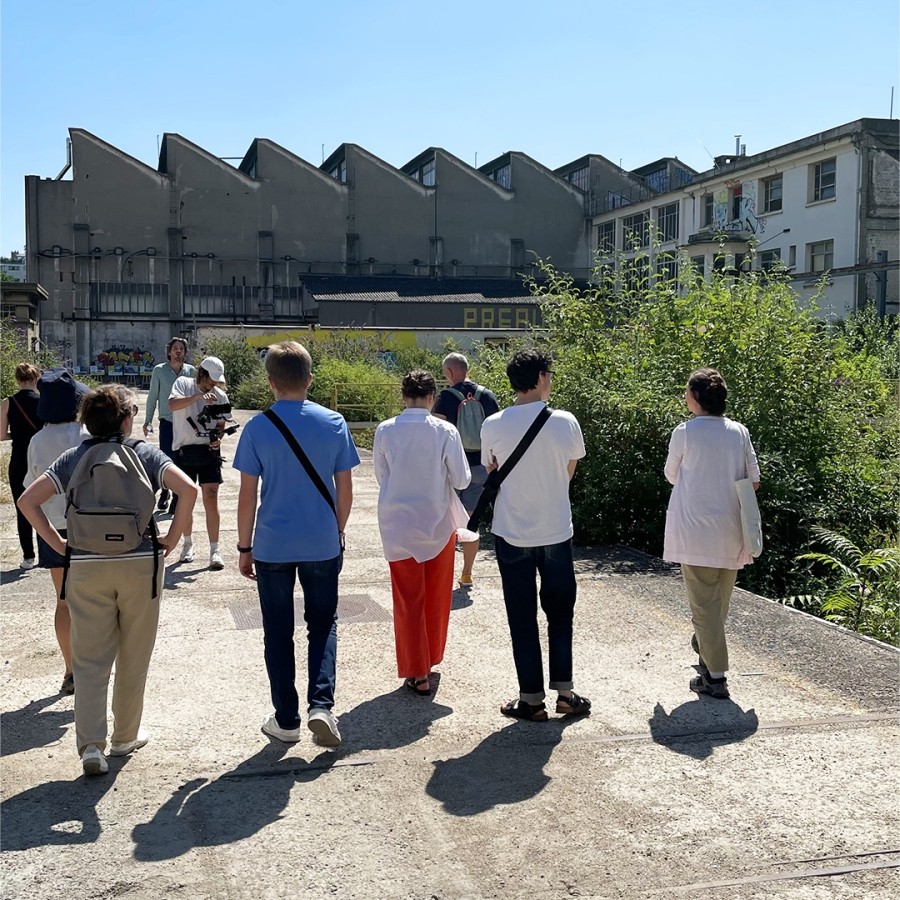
(161, 382)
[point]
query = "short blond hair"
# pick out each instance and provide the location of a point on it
(289, 365)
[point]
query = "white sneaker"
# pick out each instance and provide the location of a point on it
(271, 727)
(128, 746)
(324, 727)
(216, 563)
(93, 761)
(187, 553)
(29, 563)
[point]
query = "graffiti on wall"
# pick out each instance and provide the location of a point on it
(127, 360)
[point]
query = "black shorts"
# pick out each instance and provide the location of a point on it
(48, 558)
(200, 463)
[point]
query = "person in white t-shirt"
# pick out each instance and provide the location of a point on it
(194, 452)
(533, 531)
(707, 455)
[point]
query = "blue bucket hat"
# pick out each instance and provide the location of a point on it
(60, 396)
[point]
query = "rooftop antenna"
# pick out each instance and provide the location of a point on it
(737, 145)
(323, 153)
(476, 152)
(891, 116)
(707, 149)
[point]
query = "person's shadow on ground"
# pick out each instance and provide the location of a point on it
(57, 813)
(30, 726)
(698, 726)
(234, 806)
(391, 720)
(506, 767)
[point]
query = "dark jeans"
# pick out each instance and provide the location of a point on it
(165, 444)
(17, 487)
(319, 581)
(519, 567)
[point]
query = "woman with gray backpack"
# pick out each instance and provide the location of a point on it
(114, 564)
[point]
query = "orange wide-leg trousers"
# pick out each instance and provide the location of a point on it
(422, 596)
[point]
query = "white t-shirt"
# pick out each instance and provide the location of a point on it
(419, 464)
(183, 433)
(532, 508)
(45, 448)
(707, 454)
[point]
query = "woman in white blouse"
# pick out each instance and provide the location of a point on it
(420, 464)
(707, 455)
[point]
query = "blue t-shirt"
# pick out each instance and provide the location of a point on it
(293, 522)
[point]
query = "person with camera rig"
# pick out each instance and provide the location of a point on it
(201, 417)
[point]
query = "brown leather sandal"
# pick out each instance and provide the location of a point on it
(413, 684)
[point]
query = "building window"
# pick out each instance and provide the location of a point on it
(824, 180)
(709, 207)
(657, 181)
(769, 259)
(667, 267)
(615, 200)
(428, 173)
(667, 222)
(699, 264)
(579, 178)
(636, 230)
(502, 176)
(339, 171)
(821, 256)
(606, 237)
(772, 194)
(736, 194)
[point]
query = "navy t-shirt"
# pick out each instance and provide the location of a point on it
(447, 406)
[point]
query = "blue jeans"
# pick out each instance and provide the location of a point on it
(319, 582)
(519, 567)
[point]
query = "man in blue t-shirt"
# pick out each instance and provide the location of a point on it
(299, 533)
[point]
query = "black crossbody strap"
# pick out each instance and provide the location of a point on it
(523, 445)
(293, 443)
(497, 477)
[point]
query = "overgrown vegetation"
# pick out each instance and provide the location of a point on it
(14, 349)
(818, 400)
(860, 589)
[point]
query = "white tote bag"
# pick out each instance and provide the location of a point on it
(751, 523)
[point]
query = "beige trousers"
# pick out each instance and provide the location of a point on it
(113, 620)
(709, 593)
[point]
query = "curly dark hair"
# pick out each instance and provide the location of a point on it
(709, 389)
(524, 369)
(417, 383)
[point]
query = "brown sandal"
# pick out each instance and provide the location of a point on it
(413, 684)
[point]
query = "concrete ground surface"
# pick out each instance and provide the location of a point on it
(788, 790)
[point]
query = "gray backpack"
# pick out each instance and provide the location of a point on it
(110, 502)
(469, 417)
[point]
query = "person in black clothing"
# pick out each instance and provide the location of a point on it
(19, 423)
(456, 370)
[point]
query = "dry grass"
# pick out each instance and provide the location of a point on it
(5, 492)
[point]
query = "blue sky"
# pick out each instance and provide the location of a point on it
(631, 81)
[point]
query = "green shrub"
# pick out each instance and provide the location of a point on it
(253, 392)
(365, 392)
(820, 410)
(241, 360)
(15, 349)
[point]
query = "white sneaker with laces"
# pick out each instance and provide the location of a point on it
(271, 727)
(127, 747)
(323, 725)
(93, 761)
(216, 563)
(29, 563)
(187, 553)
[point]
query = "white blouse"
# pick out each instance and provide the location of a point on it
(45, 448)
(419, 464)
(707, 455)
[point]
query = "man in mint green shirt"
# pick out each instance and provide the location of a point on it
(161, 382)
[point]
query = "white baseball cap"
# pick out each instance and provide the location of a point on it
(215, 367)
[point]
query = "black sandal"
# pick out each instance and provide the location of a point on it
(577, 705)
(519, 709)
(412, 684)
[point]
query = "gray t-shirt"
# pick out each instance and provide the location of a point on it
(155, 463)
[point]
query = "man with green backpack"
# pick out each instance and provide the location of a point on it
(466, 405)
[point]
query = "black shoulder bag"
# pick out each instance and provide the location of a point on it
(497, 476)
(299, 452)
